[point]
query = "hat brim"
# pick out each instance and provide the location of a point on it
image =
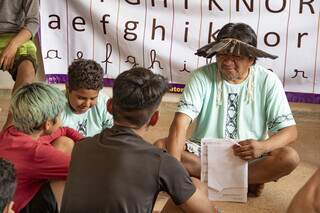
(233, 47)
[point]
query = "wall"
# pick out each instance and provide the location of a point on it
(6, 81)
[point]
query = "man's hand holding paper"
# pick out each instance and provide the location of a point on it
(249, 149)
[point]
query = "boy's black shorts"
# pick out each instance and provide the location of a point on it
(43, 202)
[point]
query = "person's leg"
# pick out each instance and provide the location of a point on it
(277, 164)
(44, 201)
(192, 163)
(23, 74)
(189, 160)
(171, 207)
(308, 197)
(65, 145)
(161, 143)
(8, 208)
(57, 187)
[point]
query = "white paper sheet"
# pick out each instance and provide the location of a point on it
(225, 174)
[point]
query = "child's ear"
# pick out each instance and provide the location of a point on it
(109, 105)
(46, 126)
(154, 118)
(67, 87)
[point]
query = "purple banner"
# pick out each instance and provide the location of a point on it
(303, 97)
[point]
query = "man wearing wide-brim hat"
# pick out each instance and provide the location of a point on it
(236, 98)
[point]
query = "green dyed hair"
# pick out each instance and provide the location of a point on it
(34, 104)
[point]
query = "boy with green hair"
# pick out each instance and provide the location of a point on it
(86, 110)
(38, 147)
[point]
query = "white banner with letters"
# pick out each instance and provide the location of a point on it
(163, 35)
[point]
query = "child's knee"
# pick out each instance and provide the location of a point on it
(26, 69)
(199, 185)
(64, 144)
(160, 143)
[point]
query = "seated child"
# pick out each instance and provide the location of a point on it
(86, 110)
(7, 186)
(117, 170)
(38, 147)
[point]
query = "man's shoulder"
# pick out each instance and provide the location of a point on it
(101, 144)
(206, 69)
(148, 148)
(13, 134)
(203, 75)
(264, 74)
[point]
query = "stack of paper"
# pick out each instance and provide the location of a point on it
(225, 174)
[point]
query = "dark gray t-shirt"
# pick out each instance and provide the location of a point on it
(117, 171)
(17, 14)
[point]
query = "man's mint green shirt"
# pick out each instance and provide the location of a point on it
(268, 111)
(92, 121)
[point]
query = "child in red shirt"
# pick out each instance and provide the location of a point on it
(38, 147)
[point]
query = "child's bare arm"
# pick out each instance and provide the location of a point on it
(308, 197)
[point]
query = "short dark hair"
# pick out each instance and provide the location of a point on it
(7, 183)
(240, 31)
(85, 74)
(136, 95)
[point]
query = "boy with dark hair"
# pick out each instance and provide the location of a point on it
(86, 110)
(38, 147)
(119, 166)
(7, 185)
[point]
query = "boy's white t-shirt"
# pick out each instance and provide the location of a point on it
(92, 121)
